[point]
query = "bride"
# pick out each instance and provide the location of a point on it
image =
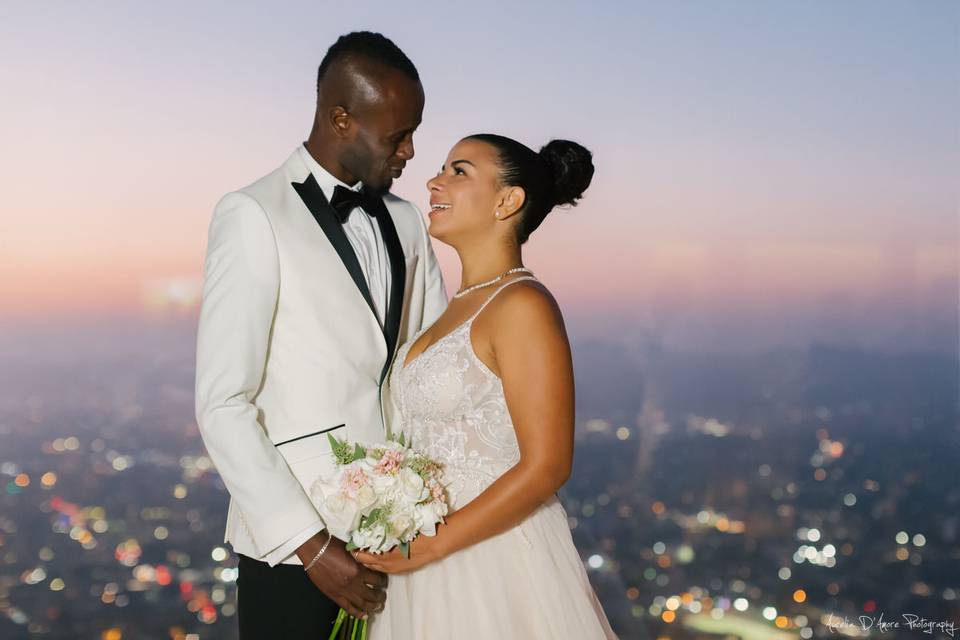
(488, 391)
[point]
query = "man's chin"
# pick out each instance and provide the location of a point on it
(380, 188)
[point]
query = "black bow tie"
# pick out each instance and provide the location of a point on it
(346, 200)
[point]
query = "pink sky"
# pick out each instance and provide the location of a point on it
(795, 167)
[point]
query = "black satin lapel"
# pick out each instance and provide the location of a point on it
(398, 277)
(312, 196)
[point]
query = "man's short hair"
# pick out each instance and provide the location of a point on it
(373, 46)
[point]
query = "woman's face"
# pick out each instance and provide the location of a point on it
(464, 195)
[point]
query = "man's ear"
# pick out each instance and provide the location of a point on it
(340, 121)
(511, 201)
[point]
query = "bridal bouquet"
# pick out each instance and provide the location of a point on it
(378, 497)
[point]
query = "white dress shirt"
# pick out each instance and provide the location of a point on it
(364, 235)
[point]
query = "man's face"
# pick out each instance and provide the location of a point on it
(382, 141)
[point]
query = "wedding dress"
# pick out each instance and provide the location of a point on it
(527, 582)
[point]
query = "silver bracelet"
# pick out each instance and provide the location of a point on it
(319, 553)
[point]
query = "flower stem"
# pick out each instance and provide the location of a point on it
(336, 625)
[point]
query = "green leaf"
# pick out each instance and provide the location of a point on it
(359, 453)
(350, 546)
(376, 515)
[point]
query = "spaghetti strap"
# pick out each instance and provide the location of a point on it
(494, 295)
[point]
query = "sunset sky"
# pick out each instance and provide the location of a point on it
(769, 171)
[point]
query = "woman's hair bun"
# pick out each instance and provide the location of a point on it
(571, 169)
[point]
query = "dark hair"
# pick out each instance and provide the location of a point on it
(558, 175)
(373, 46)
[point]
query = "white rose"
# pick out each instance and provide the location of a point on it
(412, 484)
(339, 515)
(366, 497)
(427, 518)
(384, 482)
(401, 526)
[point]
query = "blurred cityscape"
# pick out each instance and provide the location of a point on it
(792, 494)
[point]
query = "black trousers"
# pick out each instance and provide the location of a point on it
(281, 602)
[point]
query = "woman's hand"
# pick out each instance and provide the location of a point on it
(423, 551)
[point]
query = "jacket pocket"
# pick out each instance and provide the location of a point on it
(307, 445)
(309, 435)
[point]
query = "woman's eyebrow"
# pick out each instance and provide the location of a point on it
(456, 162)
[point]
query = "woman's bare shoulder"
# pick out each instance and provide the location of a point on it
(527, 304)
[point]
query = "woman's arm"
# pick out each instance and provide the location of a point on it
(532, 356)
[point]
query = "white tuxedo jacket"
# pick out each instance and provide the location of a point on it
(289, 347)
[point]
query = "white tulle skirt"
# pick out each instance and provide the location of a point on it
(527, 582)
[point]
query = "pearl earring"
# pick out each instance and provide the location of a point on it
(497, 214)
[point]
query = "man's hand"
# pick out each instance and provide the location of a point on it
(358, 590)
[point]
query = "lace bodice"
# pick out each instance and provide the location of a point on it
(452, 407)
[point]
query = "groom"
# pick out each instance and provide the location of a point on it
(314, 275)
